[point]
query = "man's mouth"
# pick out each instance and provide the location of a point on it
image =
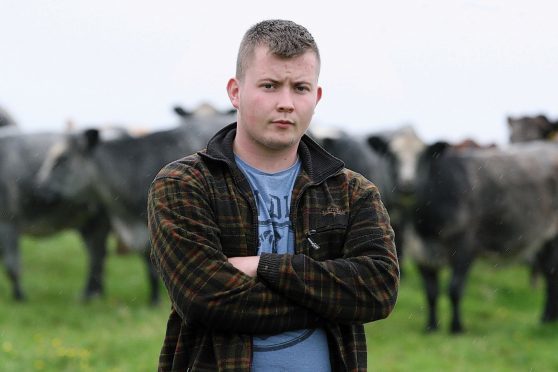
(283, 122)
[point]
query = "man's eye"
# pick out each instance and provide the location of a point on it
(268, 86)
(302, 88)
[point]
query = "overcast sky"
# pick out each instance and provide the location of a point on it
(452, 69)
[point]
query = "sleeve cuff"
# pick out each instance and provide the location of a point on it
(268, 268)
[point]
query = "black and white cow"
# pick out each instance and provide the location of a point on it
(117, 174)
(492, 202)
(26, 208)
(404, 147)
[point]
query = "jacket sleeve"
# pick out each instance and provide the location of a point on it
(361, 286)
(204, 288)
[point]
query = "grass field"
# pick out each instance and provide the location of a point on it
(54, 331)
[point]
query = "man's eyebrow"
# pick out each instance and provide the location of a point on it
(268, 80)
(275, 81)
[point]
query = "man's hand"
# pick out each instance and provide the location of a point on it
(248, 265)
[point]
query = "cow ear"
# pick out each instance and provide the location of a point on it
(180, 111)
(437, 149)
(92, 138)
(379, 144)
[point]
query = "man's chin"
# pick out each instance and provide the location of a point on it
(281, 143)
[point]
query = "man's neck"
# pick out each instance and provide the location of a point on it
(269, 161)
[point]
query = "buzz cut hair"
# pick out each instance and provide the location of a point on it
(285, 39)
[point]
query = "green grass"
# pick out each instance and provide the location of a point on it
(501, 312)
(54, 331)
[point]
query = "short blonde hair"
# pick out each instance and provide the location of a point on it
(285, 39)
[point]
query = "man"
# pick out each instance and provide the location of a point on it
(273, 254)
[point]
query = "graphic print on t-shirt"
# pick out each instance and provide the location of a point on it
(273, 220)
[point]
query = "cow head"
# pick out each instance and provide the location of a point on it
(405, 147)
(530, 128)
(68, 168)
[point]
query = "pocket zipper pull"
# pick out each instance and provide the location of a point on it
(312, 243)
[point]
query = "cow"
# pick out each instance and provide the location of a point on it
(532, 128)
(495, 202)
(528, 128)
(404, 146)
(26, 208)
(117, 174)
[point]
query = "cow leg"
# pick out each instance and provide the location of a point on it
(153, 277)
(430, 280)
(9, 248)
(461, 264)
(95, 234)
(548, 262)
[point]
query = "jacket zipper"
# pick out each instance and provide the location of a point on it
(293, 216)
(311, 232)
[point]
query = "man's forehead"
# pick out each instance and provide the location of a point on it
(264, 50)
(308, 61)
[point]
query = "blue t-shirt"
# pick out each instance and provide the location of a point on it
(298, 350)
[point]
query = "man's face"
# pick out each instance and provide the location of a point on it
(275, 99)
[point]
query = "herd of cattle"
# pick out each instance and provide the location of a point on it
(449, 203)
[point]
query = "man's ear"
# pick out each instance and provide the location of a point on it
(319, 95)
(233, 90)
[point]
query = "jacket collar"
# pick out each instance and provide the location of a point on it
(317, 162)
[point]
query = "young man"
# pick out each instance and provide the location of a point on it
(274, 254)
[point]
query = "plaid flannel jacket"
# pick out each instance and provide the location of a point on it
(344, 273)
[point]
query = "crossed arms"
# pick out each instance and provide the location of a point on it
(272, 293)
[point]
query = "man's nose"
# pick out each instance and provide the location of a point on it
(285, 101)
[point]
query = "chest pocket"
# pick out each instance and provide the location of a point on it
(326, 235)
